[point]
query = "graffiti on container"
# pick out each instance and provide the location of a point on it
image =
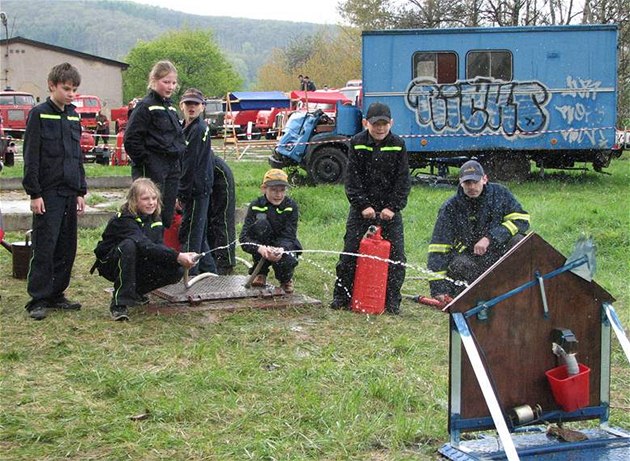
(579, 113)
(484, 105)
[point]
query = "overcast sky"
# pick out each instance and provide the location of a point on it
(317, 11)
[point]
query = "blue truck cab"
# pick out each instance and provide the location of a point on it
(318, 143)
(506, 96)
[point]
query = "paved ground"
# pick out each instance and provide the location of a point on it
(16, 212)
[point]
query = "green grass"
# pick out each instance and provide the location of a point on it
(304, 383)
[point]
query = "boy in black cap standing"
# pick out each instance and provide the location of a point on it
(377, 186)
(473, 230)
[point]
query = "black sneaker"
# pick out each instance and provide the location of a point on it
(393, 310)
(339, 304)
(63, 303)
(37, 310)
(119, 313)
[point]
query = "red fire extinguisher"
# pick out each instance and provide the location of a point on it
(370, 278)
(171, 234)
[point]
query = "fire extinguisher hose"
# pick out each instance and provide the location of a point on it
(431, 302)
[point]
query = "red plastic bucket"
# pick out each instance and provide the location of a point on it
(570, 392)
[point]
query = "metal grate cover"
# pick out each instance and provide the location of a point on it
(211, 288)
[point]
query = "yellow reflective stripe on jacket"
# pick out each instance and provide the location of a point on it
(441, 275)
(156, 224)
(440, 248)
(279, 211)
(258, 208)
(510, 226)
(157, 108)
(50, 116)
(205, 134)
(383, 149)
(517, 216)
(74, 118)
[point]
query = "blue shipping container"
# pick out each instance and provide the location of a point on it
(544, 93)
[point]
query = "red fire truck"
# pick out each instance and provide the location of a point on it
(14, 109)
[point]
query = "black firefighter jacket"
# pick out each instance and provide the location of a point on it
(197, 176)
(268, 224)
(52, 151)
(378, 174)
(462, 221)
(144, 230)
(154, 128)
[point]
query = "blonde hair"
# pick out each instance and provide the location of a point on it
(160, 70)
(139, 187)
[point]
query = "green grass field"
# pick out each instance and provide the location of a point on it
(304, 383)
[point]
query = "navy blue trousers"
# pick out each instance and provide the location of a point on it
(135, 274)
(54, 247)
(193, 233)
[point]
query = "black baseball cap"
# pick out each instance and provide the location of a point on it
(377, 112)
(192, 95)
(471, 171)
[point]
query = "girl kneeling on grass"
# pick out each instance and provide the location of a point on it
(131, 253)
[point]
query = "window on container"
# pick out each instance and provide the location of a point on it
(495, 64)
(441, 66)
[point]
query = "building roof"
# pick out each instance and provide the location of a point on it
(60, 49)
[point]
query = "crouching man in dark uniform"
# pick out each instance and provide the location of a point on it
(131, 253)
(474, 228)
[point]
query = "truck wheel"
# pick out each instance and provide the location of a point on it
(506, 167)
(328, 166)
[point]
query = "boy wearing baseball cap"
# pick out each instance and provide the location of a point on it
(377, 185)
(473, 230)
(270, 231)
(196, 181)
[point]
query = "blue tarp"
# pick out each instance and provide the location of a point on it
(297, 132)
(258, 100)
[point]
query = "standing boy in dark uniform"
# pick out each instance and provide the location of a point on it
(377, 186)
(55, 180)
(221, 219)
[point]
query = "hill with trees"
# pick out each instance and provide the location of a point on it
(111, 29)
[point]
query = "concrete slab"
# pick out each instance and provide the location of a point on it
(103, 182)
(24, 221)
